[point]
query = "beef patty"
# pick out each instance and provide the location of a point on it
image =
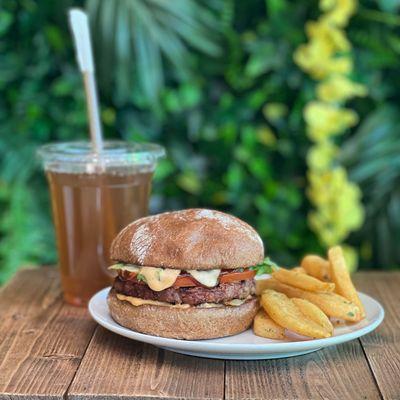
(187, 295)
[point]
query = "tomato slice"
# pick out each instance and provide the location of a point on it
(227, 277)
(127, 276)
(185, 281)
(189, 281)
(131, 276)
(236, 276)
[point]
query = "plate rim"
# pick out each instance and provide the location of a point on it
(239, 348)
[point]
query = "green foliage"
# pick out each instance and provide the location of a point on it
(140, 37)
(214, 82)
(371, 151)
(372, 155)
(41, 100)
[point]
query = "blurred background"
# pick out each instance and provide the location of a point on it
(291, 125)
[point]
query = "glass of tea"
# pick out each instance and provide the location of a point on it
(93, 196)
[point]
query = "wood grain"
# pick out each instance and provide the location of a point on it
(339, 372)
(43, 340)
(116, 367)
(382, 347)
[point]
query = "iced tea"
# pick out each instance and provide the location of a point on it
(92, 201)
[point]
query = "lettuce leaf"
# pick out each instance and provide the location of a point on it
(266, 267)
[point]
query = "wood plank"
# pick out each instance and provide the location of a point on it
(43, 339)
(116, 367)
(339, 372)
(382, 347)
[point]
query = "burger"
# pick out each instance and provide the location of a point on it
(185, 275)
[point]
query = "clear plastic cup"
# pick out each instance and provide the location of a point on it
(93, 197)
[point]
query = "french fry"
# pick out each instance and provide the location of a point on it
(341, 277)
(302, 281)
(299, 269)
(317, 267)
(285, 313)
(264, 326)
(313, 312)
(332, 304)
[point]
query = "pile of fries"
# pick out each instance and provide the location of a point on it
(305, 299)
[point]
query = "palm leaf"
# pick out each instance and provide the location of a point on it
(136, 37)
(372, 156)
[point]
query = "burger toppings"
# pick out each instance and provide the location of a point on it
(142, 285)
(265, 267)
(124, 267)
(161, 278)
(158, 278)
(136, 301)
(206, 278)
(194, 296)
(239, 275)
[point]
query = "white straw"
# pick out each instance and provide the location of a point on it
(80, 29)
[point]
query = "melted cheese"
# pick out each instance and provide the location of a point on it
(159, 278)
(232, 303)
(125, 267)
(235, 302)
(206, 278)
(209, 305)
(136, 301)
(162, 278)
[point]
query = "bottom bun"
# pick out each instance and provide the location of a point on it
(183, 323)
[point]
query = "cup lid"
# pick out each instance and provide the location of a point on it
(79, 156)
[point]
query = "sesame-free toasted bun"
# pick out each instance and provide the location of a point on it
(189, 239)
(183, 323)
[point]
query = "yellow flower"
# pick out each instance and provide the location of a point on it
(318, 225)
(339, 65)
(339, 88)
(322, 31)
(338, 205)
(351, 257)
(319, 56)
(313, 58)
(317, 59)
(320, 156)
(338, 12)
(337, 201)
(324, 120)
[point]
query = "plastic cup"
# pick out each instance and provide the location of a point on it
(93, 197)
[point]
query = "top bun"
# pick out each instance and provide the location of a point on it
(189, 239)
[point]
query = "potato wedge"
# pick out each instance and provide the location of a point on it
(285, 313)
(317, 267)
(264, 326)
(313, 312)
(341, 277)
(332, 304)
(302, 281)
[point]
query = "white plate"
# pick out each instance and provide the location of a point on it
(246, 345)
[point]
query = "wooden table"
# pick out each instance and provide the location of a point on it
(49, 350)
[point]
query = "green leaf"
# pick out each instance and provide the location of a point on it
(138, 36)
(6, 20)
(266, 267)
(141, 278)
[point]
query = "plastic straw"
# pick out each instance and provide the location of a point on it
(80, 29)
